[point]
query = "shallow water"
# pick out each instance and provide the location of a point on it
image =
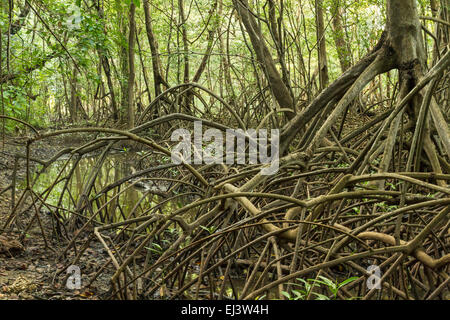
(115, 167)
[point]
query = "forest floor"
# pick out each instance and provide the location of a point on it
(28, 269)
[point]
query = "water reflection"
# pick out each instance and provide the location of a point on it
(67, 179)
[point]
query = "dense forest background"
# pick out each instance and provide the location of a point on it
(91, 90)
(69, 61)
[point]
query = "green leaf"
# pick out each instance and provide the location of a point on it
(321, 296)
(300, 295)
(327, 281)
(343, 283)
(286, 294)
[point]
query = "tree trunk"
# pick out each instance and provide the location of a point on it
(158, 77)
(106, 68)
(321, 46)
(405, 40)
(342, 46)
(124, 70)
(278, 87)
(131, 59)
(73, 107)
(182, 24)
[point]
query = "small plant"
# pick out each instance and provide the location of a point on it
(334, 286)
(301, 294)
(343, 165)
(172, 230)
(308, 285)
(383, 205)
(156, 248)
(386, 208)
(210, 230)
(393, 186)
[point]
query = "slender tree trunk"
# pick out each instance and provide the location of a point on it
(185, 40)
(144, 69)
(278, 87)
(321, 46)
(342, 46)
(434, 7)
(182, 25)
(131, 59)
(225, 62)
(273, 23)
(106, 68)
(209, 46)
(158, 77)
(124, 76)
(73, 107)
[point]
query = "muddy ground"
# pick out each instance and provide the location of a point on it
(28, 262)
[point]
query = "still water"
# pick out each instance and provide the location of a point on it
(63, 183)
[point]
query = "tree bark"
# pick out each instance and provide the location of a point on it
(342, 46)
(131, 59)
(321, 46)
(73, 107)
(158, 77)
(124, 69)
(106, 68)
(277, 86)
